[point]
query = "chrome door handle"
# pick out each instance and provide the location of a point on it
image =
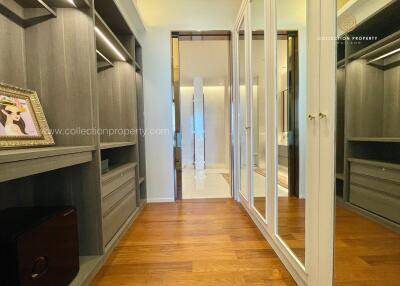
(322, 115)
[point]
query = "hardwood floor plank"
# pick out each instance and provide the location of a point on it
(210, 242)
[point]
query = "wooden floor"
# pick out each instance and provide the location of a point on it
(194, 242)
(367, 254)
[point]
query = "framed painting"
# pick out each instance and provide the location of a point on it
(22, 121)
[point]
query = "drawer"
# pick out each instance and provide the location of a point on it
(376, 202)
(113, 221)
(114, 197)
(384, 186)
(377, 170)
(116, 178)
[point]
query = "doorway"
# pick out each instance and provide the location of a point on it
(201, 78)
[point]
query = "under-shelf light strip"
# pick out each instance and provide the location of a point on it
(100, 33)
(72, 3)
(104, 57)
(385, 55)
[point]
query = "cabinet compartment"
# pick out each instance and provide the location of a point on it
(117, 177)
(376, 169)
(376, 202)
(375, 186)
(115, 197)
(113, 221)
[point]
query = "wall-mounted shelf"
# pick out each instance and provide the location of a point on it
(104, 48)
(110, 145)
(25, 162)
(37, 4)
(67, 4)
(110, 13)
(374, 139)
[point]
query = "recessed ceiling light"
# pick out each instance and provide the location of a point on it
(107, 41)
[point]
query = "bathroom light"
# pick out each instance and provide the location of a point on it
(72, 3)
(385, 55)
(104, 57)
(100, 33)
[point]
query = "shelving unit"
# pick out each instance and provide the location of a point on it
(83, 62)
(110, 145)
(368, 137)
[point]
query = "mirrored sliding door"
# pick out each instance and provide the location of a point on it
(258, 107)
(243, 112)
(291, 91)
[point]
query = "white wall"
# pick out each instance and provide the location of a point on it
(161, 17)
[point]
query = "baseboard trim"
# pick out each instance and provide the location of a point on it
(110, 247)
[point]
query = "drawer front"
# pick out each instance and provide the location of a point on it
(113, 221)
(376, 171)
(116, 178)
(376, 202)
(387, 187)
(114, 197)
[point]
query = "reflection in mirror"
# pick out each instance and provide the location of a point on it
(367, 225)
(258, 106)
(291, 101)
(242, 113)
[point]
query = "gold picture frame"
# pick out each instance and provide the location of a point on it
(22, 121)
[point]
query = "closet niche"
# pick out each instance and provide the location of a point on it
(373, 88)
(368, 118)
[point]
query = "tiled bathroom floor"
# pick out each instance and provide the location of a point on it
(209, 183)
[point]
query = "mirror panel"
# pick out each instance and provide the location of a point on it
(258, 106)
(291, 99)
(243, 123)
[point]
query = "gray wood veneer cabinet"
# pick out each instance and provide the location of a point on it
(52, 50)
(368, 114)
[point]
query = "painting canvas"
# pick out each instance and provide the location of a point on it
(22, 121)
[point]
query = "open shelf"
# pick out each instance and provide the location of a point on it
(374, 139)
(104, 48)
(25, 162)
(110, 145)
(37, 4)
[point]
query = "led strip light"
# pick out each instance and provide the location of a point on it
(107, 41)
(104, 57)
(385, 55)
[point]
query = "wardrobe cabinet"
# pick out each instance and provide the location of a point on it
(368, 118)
(84, 62)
